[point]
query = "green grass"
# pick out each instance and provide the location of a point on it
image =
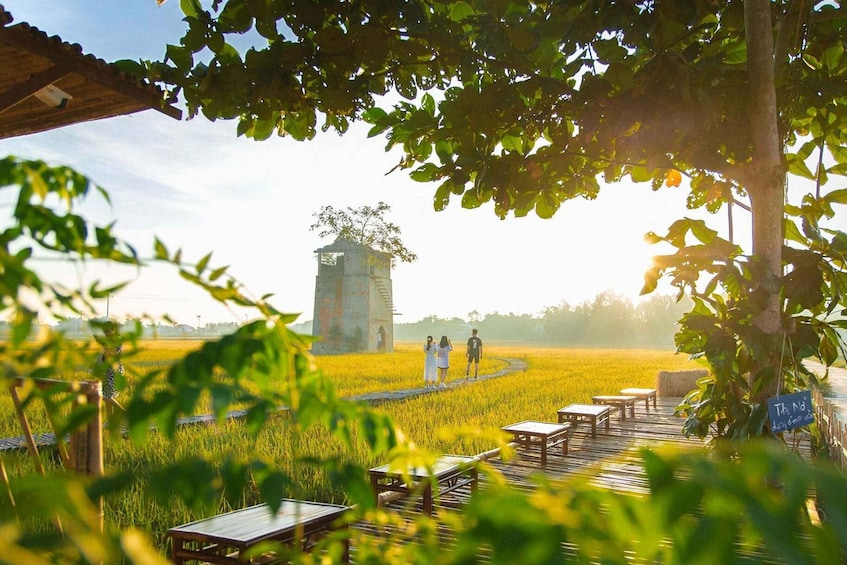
(453, 421)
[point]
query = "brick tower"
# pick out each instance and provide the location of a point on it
(353, 300)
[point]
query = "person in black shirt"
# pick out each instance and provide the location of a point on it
(474, 353)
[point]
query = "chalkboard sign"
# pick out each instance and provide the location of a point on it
(791, 411)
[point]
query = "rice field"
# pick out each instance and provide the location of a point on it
(461, 420)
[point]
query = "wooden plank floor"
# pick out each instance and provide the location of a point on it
(614, 452)
(610, 461)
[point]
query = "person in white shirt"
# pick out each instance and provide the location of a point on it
(430, 366)
(445, 346)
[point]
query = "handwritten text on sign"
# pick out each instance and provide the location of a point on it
(791, 411)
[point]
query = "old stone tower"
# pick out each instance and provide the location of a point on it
(353, 301)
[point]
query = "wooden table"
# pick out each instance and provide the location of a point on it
(591, 413)
(645, 394)
(544, 434)
(448, 472)
(223, 538)
(621, 402)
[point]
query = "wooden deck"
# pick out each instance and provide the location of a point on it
(609, 461)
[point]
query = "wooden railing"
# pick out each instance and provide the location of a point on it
(833, 429)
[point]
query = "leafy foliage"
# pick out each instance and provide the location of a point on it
(689, 494)
(366, 226)
(727, 296)
(720, 513)
(238, 369)
(526, 105)
(535, 100)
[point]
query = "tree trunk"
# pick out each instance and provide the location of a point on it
(766, 180)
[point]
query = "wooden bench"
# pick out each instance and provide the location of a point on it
(224, 538)
(449, 472)
(645, 394)
(591, 413)
(544, 434)
(621, 402)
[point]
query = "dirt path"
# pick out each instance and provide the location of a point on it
(514, 365)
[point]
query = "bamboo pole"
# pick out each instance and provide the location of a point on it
(30, 440)
(832, 429)
(5, 478)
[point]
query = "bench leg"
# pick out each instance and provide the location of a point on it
(345, 556)
(427, 499)
(375, 488)
(176, 548)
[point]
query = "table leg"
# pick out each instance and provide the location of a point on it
(544, 439)
(608, 421)
(427, 498)
(622, 406)
(655, 406)
(632, 409)
(375, 488)
(345, 556)
(176, 547)
(593, 427)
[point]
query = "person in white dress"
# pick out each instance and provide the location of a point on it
(430, 367)
(442, 359)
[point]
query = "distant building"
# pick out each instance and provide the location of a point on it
(353, 299)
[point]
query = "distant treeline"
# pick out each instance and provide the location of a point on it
(80, 328)
(609, 320)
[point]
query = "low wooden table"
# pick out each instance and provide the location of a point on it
(223, 538)
(621, 402)
(591, 413)
(544, 434)
(645, 394)
(449, 472)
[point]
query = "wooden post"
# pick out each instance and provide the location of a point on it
(86, 449)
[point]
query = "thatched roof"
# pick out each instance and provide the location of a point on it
(31, 61)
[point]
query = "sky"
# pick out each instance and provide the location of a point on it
(197, 186)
